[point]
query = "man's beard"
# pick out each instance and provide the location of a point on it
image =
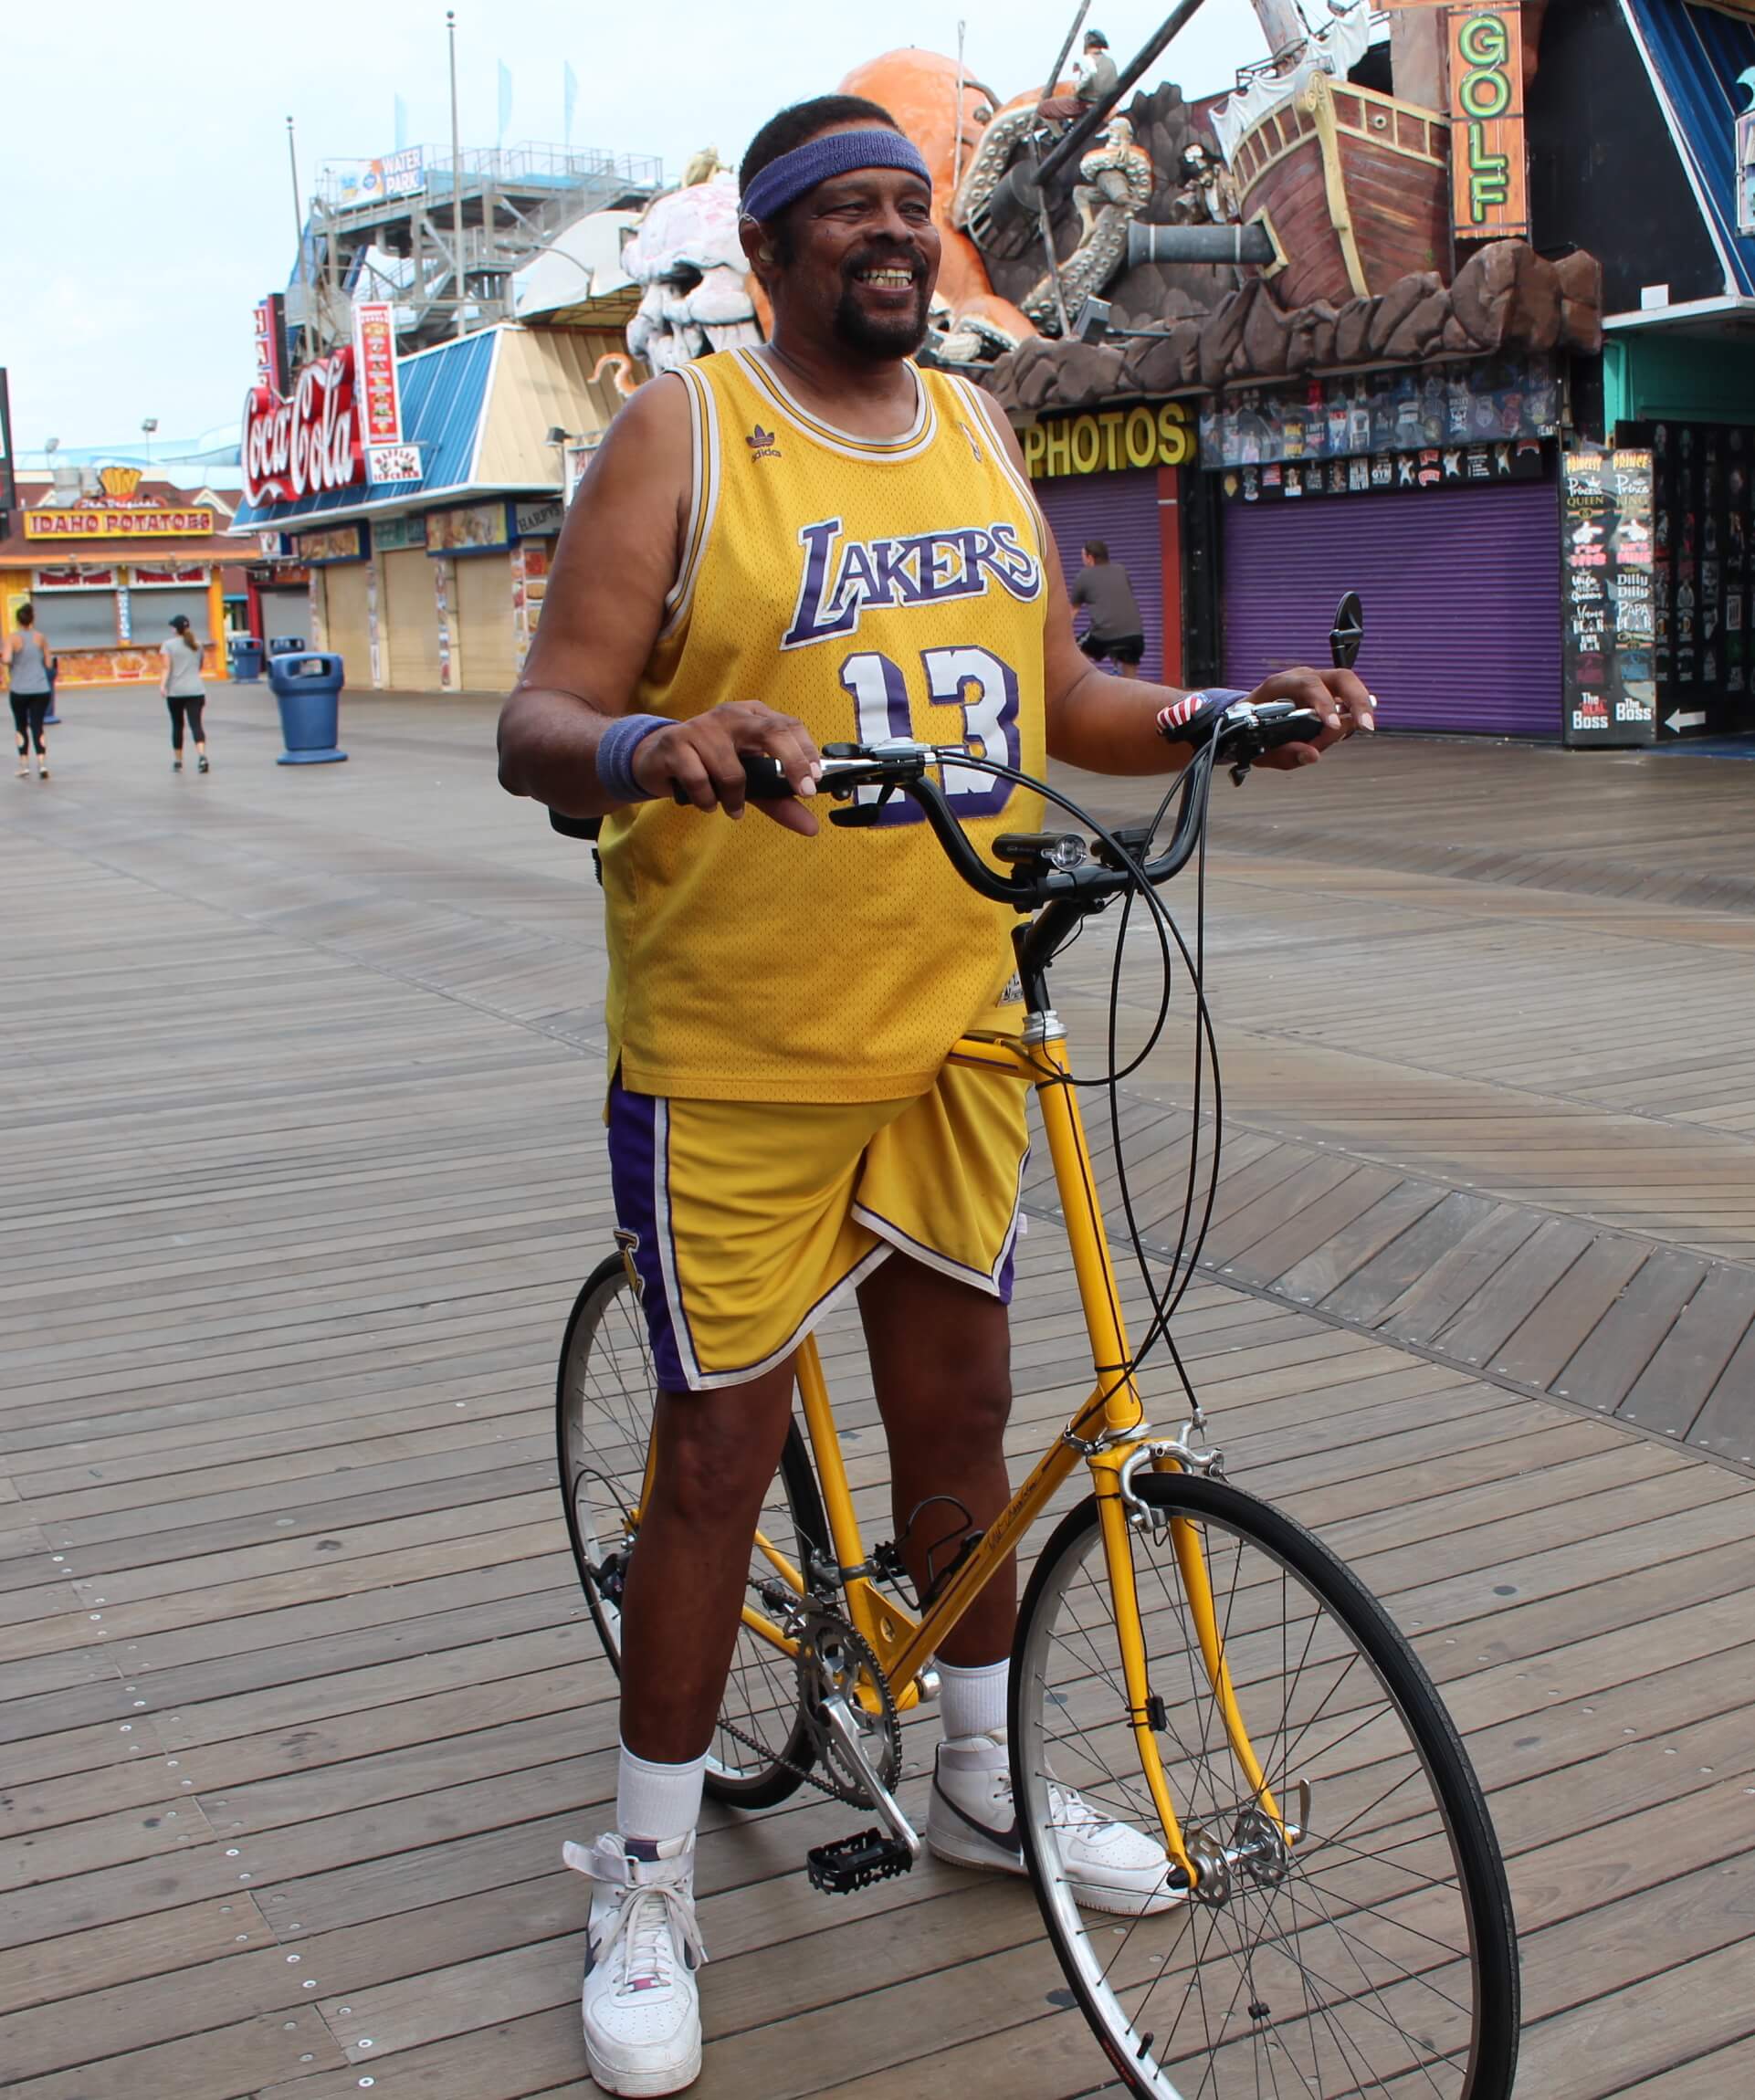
(884, 335)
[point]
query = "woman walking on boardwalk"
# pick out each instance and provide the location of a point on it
(28, 659)
(184, 693)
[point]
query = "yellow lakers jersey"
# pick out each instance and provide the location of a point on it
(871, 588)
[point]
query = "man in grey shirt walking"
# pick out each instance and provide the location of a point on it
(1116, 630)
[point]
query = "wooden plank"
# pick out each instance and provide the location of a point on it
(1325, 1268)
(291, 2044)
(1727, 1422)
(1559, 1324)
(1502, 1304)
(1627, 1338)
(1705, 2077)
(1669, 1393)
(1420, 1311)
(1366, 1295)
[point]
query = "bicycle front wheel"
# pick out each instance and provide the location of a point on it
(1369, 1947)
(606, 1394)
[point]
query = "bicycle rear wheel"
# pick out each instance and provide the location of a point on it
(1376, 1953)
(606, 1393)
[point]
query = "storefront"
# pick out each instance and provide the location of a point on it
(1429, 492)
(277, 605)
(110, 568)
(1660, 573)
(431, 581)
(1117, 475)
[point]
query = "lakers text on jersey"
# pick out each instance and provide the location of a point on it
(872, 589)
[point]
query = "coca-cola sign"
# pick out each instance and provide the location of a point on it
(299, 447)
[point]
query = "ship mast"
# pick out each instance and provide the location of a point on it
(1283, 25)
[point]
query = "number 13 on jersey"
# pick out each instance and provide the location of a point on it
(974, 681)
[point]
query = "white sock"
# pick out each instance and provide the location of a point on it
(657, 1802)
(973, 1702)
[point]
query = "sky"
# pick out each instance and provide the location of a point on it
(144, 182)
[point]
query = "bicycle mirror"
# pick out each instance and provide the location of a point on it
(1348, 633)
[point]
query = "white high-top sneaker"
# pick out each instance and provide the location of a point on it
(641, 2003)
(972, 1821)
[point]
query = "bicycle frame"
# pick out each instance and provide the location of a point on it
(1108, 1429)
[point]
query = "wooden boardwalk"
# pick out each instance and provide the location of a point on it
(297, 1696)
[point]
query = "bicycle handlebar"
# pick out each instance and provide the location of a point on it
(1046, 868)
(1242, 734)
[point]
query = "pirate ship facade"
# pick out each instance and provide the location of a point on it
(1354, 189)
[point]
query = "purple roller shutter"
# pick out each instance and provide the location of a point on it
(1120, 509)
(1461, 591)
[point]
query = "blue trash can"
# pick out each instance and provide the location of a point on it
(248, 655)
(308, 687)
(285, 644)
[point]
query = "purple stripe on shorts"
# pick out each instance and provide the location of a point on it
(1008, 1268)
(633, 1149)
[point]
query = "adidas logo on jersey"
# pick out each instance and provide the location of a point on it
(840, 579)
(762, 444)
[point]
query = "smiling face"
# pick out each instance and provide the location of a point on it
(851, 265)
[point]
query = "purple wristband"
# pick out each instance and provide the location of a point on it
(615, 749)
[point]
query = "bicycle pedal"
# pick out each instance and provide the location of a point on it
(854, 1862)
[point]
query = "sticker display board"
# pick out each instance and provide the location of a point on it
(1379, 413)
(1607, 608)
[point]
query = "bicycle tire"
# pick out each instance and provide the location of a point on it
(1351, 1960)
(602, 1425)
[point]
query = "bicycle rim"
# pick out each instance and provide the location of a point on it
(1375, 1954)
(605, 1396)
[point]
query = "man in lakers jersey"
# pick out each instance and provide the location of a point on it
(775, 548)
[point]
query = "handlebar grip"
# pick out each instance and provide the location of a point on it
(1297, 726)
(762, 780)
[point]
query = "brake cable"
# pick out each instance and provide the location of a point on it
(1164, 1304)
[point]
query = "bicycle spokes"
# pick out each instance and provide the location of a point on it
(1331, 1943)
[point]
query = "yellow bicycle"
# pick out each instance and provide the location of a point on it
(1188, 1659)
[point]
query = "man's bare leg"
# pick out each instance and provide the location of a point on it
(941, 1354)
(942, 1362)
(717, 1453)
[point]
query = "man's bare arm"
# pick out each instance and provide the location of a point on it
(619, 554)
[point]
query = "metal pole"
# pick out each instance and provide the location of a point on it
(956, 118)
(1053, 75)
(457, 175)
(298, 221)
(1054, 269)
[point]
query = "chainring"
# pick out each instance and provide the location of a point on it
(833, 1658)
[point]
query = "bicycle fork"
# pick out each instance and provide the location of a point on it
(1117, 1448)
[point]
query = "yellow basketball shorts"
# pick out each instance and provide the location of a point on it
(750, 1219)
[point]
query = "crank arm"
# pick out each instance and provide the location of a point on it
(846, 1733)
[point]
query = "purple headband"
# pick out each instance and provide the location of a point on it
(784, 181)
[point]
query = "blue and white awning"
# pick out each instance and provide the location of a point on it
(1696, 56)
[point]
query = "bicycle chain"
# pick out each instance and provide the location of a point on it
(858, 1661)
(808, 1771)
